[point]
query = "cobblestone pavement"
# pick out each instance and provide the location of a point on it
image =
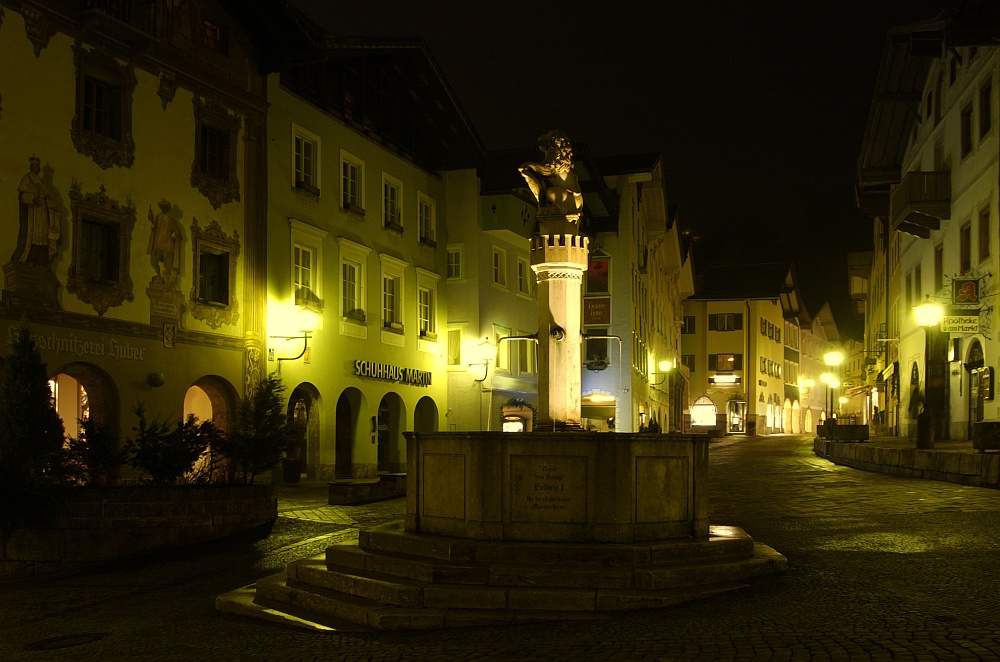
(880, 568)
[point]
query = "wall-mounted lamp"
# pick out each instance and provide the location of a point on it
(479, 368)
(304, 319)
(665, 368)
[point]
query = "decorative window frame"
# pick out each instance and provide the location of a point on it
(426, 236)
(105, 151)
(301, 133)
(353, 322)
(98, 206)
(388, 222)
(428, 280)
(218, 190)
(392, 332)
(214, 314)
(462, 364)
(356, 207)
(458, 249)
(310, 237)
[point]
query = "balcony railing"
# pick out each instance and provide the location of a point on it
(920, 202)
(140, 15)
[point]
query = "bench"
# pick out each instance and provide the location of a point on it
(352, 491)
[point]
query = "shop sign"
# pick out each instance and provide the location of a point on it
(392, 373)
(960, 324)
(597, 311)
(61, 343)
(965, 291)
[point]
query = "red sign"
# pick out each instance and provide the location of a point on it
(965, 291)
(597, 311)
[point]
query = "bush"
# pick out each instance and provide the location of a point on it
(31, 434)
(96, 452)
(261, 434)
(165, 452)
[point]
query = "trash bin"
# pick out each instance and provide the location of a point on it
(925, 429)
(291, 470)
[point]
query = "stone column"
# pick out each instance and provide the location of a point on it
(559, 261)
(255, 262)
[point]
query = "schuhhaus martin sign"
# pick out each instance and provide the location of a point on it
(392, 373)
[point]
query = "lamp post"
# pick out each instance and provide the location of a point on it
(928, 315)
(831, 359)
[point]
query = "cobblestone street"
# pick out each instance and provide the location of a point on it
(879, 567)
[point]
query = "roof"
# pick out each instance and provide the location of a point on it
(775, 281)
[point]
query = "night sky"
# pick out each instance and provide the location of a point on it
(760, 107)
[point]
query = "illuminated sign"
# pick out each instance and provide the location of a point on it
(724, 379)
(960, 324)
(597, 311)
(392, 373)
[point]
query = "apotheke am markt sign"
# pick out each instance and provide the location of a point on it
(960, 324)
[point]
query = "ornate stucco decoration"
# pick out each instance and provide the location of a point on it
(167, 88)
(99, 270)
(218, 187)
(106, 150)
(38, 28)
(215, 256)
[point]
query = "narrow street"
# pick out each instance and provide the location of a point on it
(880, 567)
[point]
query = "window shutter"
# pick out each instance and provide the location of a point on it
(713, 322)
(737, 361)
(738, 321)
(713, 361)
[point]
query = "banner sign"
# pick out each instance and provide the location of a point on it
(960, 324)
(597, 311)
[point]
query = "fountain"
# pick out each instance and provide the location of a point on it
(554, 523)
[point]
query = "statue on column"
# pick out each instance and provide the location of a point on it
(553, 181)
(38, 217)
(164, 245)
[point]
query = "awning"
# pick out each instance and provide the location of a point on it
(857, 390)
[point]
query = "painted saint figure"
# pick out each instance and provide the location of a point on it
(164, 244)
(553, 181)
(38, 216)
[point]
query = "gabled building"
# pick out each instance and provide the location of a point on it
(928, 174)
(732, 343)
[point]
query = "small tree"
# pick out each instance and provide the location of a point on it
(262, 432)
(31, 434)
(96, 452)
(165, 452)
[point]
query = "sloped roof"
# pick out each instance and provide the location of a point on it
(775, 280)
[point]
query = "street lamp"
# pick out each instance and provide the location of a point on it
(928, 315)
(831, 359)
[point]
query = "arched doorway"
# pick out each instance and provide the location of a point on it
(807, 423)
(425, 416)
(736, 414)
(786, 416)
(703, 412)
(304, 415)
(348, 411)
(83, 391)
(796, 418)
(210, 398)
(597, 412)
(391, 450)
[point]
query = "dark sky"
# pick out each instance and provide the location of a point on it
(760, 107)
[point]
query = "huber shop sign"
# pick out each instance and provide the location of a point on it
(392, 373)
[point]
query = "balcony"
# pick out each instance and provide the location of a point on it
(134, 22)
(920, 202)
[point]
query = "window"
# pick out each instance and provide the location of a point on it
(426, 221)
(688, 360)
(499, 267)
(523, 276)
(352, 183)
(525, 355)
(307, 258)
(763, 365)
(503, 348)
(985, 109)
(212, 299)
(392, 217)
(393, 270)
(984, 233)
(966, 128)
(597, 348)
(305, 160)
(965, 249)
(214, 169)
(353, 258)
(454, 346)
(455, 270)
(425, 312)
(215, 37)
(918, 284)
(725, 322)
(725, 362)
(688, 324)
(99, 266)
(102, 126)
(909, 291)
(938, 267)
(427, 309)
